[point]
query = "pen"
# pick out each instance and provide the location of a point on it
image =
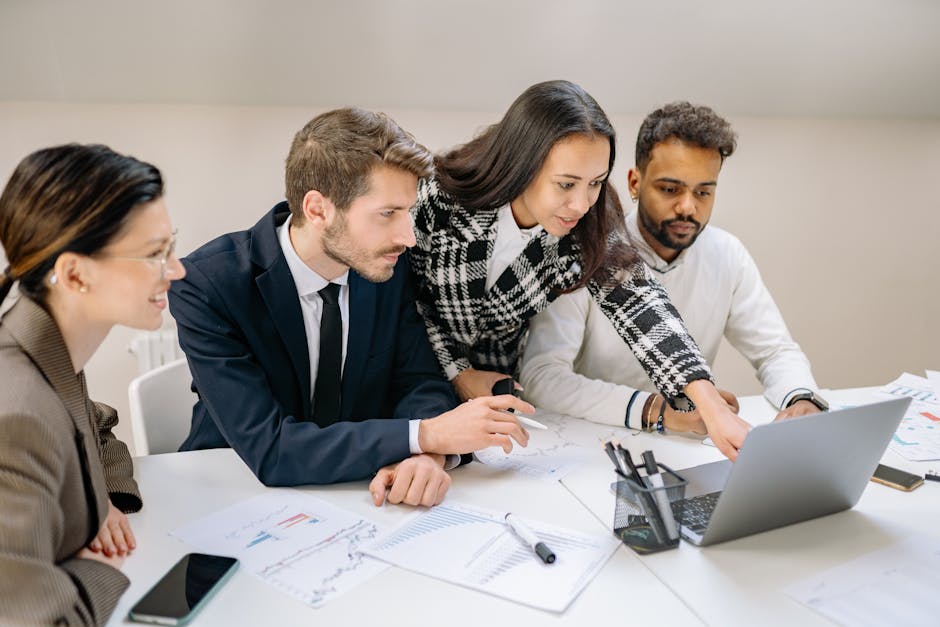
(530, 422)
(628, 460)
(616, 459)
(508, 386)
(930, 475)
(527, 536)
(662, 499)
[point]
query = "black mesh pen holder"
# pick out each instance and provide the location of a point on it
(647, 518)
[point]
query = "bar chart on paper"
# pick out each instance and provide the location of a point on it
(297, 543)
(475, 548)
(918, 435)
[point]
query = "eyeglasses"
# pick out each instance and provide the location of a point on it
(159, 257)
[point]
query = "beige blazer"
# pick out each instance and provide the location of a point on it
(59, 462)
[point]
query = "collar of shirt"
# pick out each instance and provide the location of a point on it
(508, 228)
(510, 241)
(307, 281)
(654, 261)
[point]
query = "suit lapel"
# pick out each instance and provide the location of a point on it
(279, 293)
(362, 304)
(39, 337)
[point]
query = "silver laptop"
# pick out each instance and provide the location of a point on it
(789, 471)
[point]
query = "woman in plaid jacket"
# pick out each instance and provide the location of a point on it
(523, 213)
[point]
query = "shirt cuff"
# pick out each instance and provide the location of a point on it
(791, 394)
(635, 419)
(413, 446)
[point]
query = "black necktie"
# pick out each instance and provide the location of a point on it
(326, 393)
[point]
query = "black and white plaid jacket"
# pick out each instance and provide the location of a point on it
(470, 326)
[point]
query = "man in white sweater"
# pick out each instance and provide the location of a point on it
(574, 361)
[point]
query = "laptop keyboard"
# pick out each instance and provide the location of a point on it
(698, 510)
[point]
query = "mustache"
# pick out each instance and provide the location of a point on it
(666, 223)
(398, 250)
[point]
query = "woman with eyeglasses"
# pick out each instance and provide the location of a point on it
(89, 243)
(524, 212)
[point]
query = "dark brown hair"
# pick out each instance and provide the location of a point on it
(696, 125)
(70, 198)
(337, 150)
(495, 167)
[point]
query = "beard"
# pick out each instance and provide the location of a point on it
(370, 265)
(660, 231)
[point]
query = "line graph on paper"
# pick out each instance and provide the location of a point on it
(552, 453)
(473, 547)
(297, 543)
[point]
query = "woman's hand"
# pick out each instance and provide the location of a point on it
(683, 421)
(473, 383)
(115, 536)
(114, 561)
(726, 429)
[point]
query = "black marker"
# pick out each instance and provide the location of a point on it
(527, 536)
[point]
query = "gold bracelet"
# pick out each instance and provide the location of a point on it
(649, 415)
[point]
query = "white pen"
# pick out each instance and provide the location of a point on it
(530, 422)
(522, 530)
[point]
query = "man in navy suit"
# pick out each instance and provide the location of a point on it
(330, 263)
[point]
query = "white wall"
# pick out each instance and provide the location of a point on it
(841, 215)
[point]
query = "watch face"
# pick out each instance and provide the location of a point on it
(812, 398)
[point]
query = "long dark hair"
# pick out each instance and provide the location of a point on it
(495, 167)
(70, 198)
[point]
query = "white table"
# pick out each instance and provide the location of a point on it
(180, 487)
(734, 583)
(741, 582)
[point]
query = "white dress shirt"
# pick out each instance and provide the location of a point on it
(308, 284)
(576, 363)
(510, 242)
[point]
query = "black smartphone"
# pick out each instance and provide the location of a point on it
(896, 478)
(505, 386)
(183, 589)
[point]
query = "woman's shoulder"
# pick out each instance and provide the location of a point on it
(26, 395)
(437, 210)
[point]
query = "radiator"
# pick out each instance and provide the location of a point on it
(155, 348)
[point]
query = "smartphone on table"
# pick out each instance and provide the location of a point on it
(184, 589)
(896, 478)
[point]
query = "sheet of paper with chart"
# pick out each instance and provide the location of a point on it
(475, 548)
(894, 586)
(918, 436)
(551, 454)
(295, 542)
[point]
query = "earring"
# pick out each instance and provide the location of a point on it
(83, 289)
(632, 198)
(53, 279)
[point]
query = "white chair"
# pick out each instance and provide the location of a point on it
(161, 405)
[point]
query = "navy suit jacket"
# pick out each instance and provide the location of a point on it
(240, 325)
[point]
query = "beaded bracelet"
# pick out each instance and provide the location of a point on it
(660, 429)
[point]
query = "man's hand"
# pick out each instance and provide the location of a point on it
(473, 383)
(114, 561)
(475, 425)
(115, 536)
(418, 480)
(726, 429)
(799, 408)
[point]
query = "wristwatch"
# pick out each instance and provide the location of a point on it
(812, 397)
